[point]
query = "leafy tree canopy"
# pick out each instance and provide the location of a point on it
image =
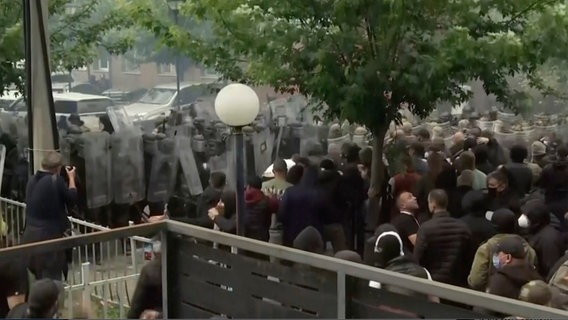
(149, 48)
(350, 53)
(366, 58)
(78, 30)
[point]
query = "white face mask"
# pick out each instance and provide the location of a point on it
(523, 221)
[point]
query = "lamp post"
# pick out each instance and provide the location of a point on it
(237, 105)
(174, 7)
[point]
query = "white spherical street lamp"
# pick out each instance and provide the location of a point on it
(237, 105)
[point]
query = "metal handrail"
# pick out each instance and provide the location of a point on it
(438, 289)
(81, 240)
(341, 267)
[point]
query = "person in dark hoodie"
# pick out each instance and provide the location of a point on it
(474, 207)
(443, 243)
(513, 271)
(295, 174)
(482, 163)
(259, 209)
(354, 193)
(309, 240)
(547, 242)
(329, 182)
(520, 171)
(464, 185)
(208, 199)
(554, 181)
(301, 206)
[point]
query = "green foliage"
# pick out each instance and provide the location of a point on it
(76, 37)
(149, 48)
(350, 53)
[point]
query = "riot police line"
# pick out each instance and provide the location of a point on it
(128, 166)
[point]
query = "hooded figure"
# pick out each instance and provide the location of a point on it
(310, 240)
(389, 255)
(302, 206)
(475, 207)
(505, 224)
(546, 241)
(349, 255)
(554, 181)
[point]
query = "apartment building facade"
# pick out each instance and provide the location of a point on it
(124, 74)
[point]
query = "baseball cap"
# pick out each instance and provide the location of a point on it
(538, 148)
(514, 245)
(44, 294)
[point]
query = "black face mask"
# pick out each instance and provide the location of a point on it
(492, 192)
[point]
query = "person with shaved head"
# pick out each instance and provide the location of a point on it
(457, 147)
(405, 221)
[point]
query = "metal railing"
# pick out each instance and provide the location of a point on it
(107, 271)
(342, 269)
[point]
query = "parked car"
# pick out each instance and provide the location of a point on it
(125, 96)
(160, 100)
(88, 107)
(64, 82)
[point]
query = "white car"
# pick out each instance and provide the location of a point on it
(88, 107)
(160, 100)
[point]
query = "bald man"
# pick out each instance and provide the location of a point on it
(405, 222)
(459, 139)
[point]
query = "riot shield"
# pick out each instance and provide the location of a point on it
(339, 141)
(309, 140)
(65, 149)
(188, 164)
(263, 142)
(163, 172)
(128, 177)
(22, 134)
(96, 152)
(119, 118)
(8, 124)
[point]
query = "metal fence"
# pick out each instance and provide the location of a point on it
(106, 271)
(181, 242)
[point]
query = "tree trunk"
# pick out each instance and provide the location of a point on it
(377, 178)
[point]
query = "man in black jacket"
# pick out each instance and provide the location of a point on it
(47, 200)
(547, 242)
(443, 243)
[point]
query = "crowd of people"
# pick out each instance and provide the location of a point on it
(475, 215)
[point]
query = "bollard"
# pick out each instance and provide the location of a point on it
(132, 248)
(275, 235)
(86, 282)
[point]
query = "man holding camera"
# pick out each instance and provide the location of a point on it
(47, 198)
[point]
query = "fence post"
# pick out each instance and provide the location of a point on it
(86, 282)
(132, 248)
(341, 295)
